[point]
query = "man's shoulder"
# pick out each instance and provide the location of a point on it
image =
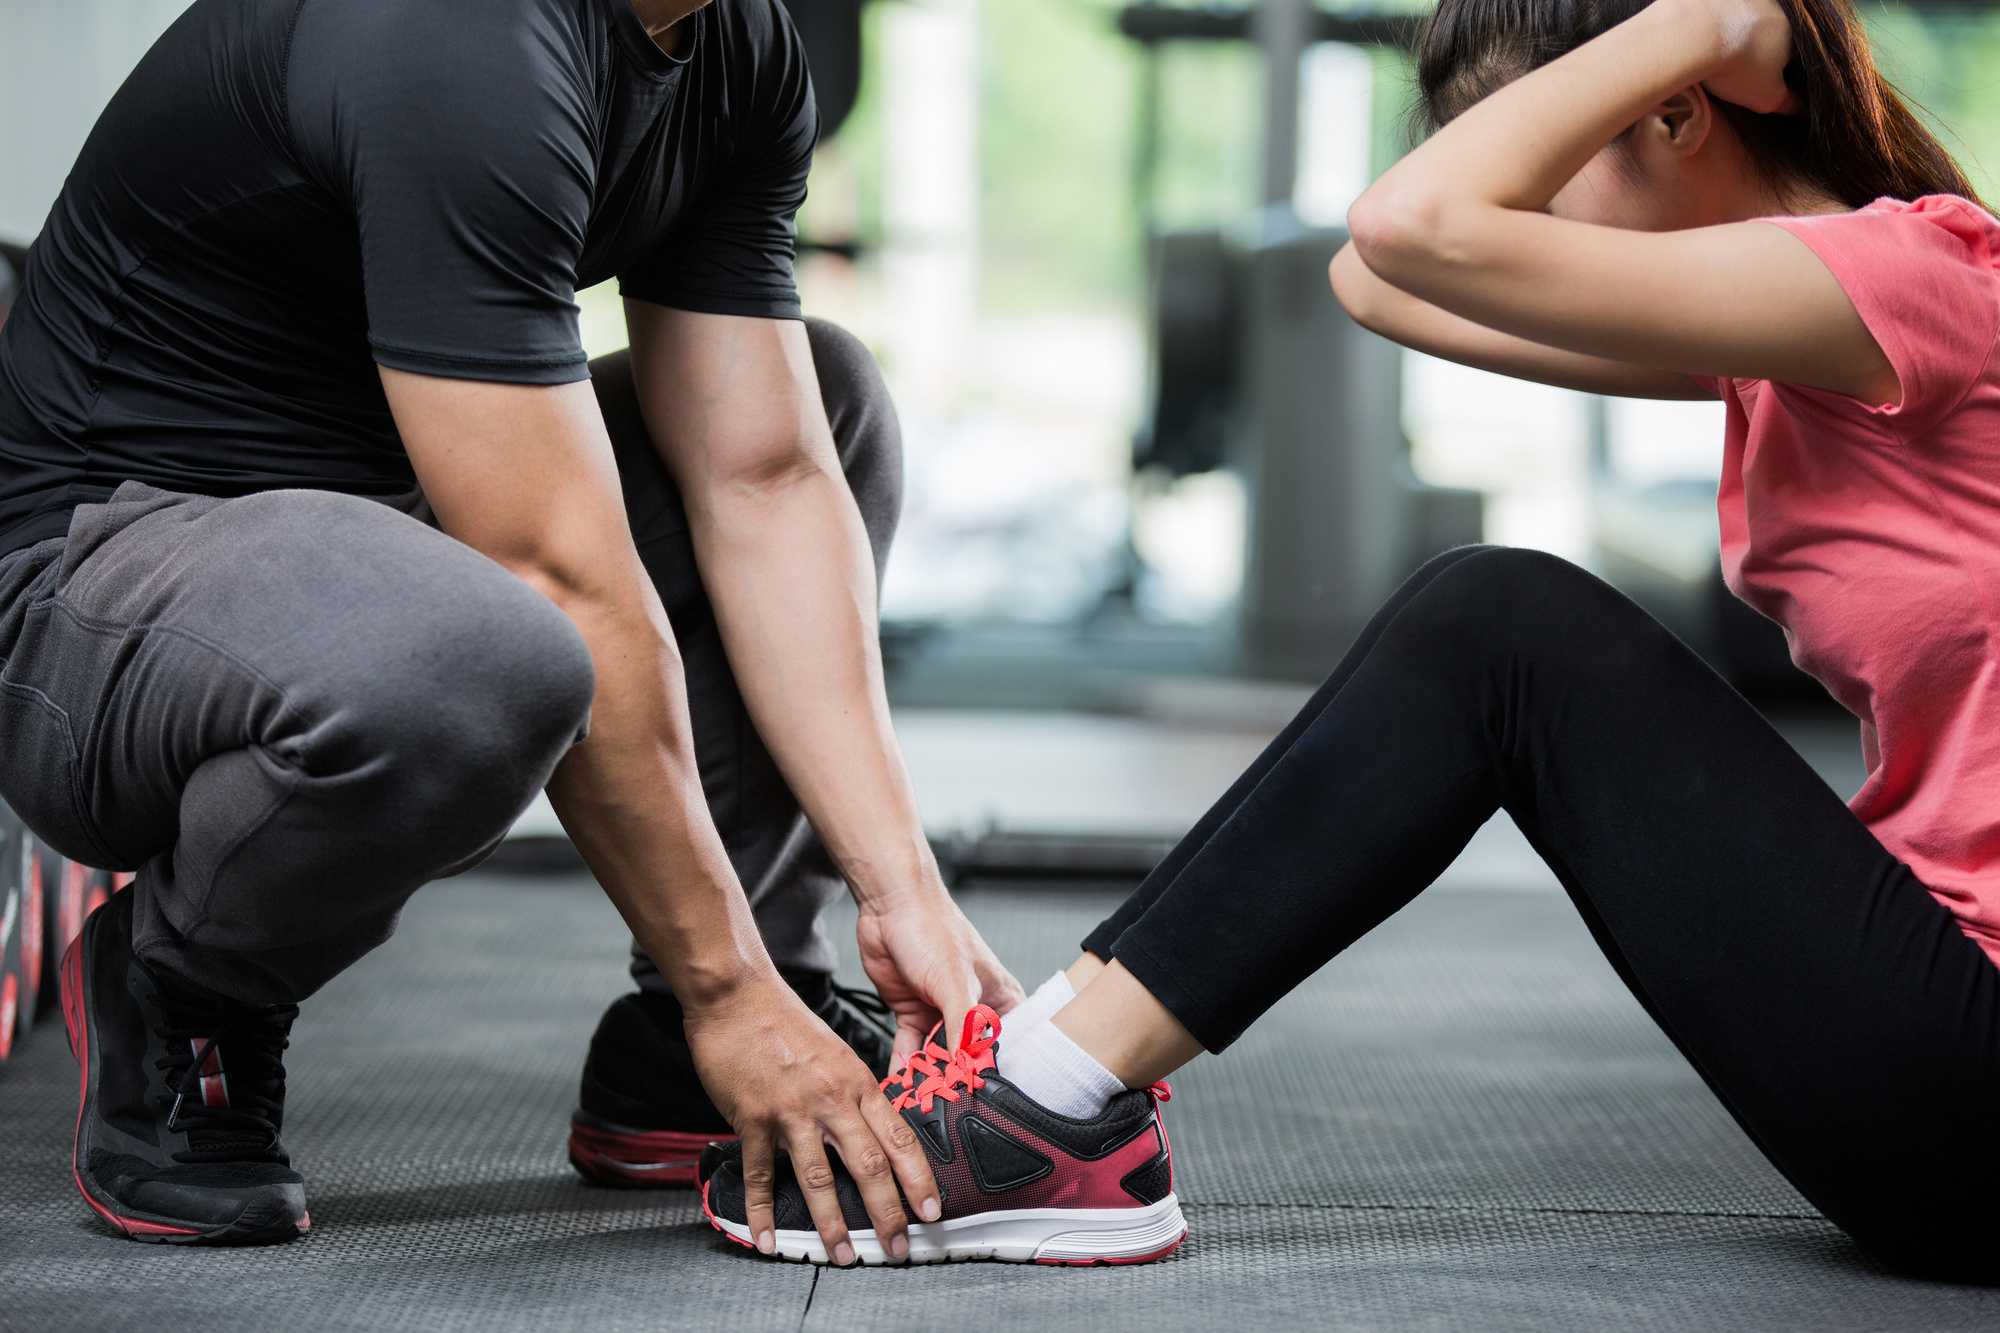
(460, 72)
(357, 38)
(755, 28)
(758, 54)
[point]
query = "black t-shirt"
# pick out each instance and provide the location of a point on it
(286, 193)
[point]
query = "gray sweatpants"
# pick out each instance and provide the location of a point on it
(289, 711)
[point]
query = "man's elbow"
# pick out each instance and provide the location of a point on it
(584, 572)
(760, 477)
(572, 588)
(605, 597)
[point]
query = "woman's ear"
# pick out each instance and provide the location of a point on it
(1680, 125)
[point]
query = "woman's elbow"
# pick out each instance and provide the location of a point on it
(1394, 228)
(1351, 283)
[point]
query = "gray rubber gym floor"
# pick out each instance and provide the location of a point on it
(1463, 1123)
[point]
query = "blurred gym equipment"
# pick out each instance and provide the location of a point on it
(1256, 366)
(44, 898)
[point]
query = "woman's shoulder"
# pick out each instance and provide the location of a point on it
(1924, 275)
(1947, 225)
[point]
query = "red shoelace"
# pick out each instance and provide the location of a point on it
(919, 1065)
(934, 1072)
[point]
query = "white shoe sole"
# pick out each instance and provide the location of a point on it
(1019, 1236)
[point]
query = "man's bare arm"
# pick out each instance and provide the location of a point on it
(525, 474)
(733, 405)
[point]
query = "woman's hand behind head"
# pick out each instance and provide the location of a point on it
(1758, 38)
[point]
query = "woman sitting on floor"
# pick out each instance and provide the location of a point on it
(1692, 198)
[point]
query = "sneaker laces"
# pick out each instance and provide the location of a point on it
(228, 1115)
(959, 1071)
(919, 1064)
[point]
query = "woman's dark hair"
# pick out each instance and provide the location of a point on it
(1855, 138)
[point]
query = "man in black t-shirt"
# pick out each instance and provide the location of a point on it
(322, 547)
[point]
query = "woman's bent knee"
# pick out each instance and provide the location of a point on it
(1523, 598)
(1511, 570)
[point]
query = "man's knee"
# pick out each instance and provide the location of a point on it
(499, 683)
(444, 673)
(865, 429)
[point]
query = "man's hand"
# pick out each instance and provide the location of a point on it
(928, 963)
(525, 474)
(785, 1081)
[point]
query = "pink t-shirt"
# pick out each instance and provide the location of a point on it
(1872, 534)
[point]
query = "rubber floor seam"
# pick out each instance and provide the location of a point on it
(811, 1291)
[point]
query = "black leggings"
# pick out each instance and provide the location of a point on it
(1825, 996)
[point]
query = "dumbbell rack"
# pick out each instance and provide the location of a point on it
(44, 900)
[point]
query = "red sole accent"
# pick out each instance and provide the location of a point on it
(10, 1003)
(656, 1159)
(79, 1043)
(32, 931)
(717, 1223)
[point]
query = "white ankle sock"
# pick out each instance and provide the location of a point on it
(1056, 1072)
(1038, 1008)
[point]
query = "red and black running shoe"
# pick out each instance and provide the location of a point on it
(1019, 1182)
(182, 1099)
(644, 1121)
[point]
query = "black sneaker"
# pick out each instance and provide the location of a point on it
(182, 1098)
(644, 1121)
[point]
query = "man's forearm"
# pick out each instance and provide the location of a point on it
(525, 476)
(733, 406)
(631, 798)
(788, 568)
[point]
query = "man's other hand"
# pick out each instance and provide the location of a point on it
(928, 963)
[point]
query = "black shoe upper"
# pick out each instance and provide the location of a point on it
(188, 1101)
(206, 1040)
(640, 1073)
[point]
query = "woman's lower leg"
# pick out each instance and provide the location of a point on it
(1124, 1027)
(1830, 1002)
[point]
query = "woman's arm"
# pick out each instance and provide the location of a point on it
(1403, 318)
(1459, 223)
